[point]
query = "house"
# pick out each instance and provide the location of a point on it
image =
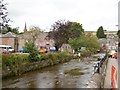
(18, 41)
(66, 47)
(41, 41)
(9, 39)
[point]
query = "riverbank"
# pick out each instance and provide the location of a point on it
(72, 74)
(17, 66)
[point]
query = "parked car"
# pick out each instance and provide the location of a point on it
(22, 50)
(42, 50)
(6, 49)
(115, 55)
(52, 49)
(111, 53)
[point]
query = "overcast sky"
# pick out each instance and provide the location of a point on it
(43, 13)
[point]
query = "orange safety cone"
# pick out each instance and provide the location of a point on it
(114, 78)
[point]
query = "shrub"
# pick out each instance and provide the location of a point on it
(84, 41)
(55, 58)
(32, 50)
(14, 59)
(85, 52)
(16, 64)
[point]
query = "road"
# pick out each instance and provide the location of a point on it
(111, 62)
(116, 64)
(119, 69)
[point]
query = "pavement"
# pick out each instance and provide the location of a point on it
(114, 62)
(119, 69)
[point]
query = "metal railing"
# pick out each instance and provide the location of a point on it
(99, 73)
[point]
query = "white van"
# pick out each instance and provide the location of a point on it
(6, 49)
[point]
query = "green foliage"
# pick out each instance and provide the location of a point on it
(7, 29)
(62, 31)
(16, 64)
(55, 58)
(14, 59)
(89, 41)
(33, 52)
(13, 62)
(118, 33)
(34, 32)
(30, 47)
(75, 29)
(74, 72)
(85, 53)
(100, 32)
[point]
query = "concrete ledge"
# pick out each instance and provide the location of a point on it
(95, 81)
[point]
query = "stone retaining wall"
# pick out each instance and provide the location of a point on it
(23, 68)
(97, 80)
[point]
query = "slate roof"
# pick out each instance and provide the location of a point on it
(9, 34)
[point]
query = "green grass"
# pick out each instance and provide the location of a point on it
(74, 72)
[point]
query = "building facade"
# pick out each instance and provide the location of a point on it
(41, 41)
(9, 39)
(18, 41)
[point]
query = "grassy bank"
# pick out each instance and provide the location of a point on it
(17, 64)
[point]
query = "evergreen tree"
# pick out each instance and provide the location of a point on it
(118, 33)
(100, 32)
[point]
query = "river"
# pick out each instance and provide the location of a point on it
(73, 74)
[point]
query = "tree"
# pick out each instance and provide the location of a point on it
(100, 32)
(30, 46)
(75, 29)
(7, 29)
(32, 50)
(3, 15)
(118, 33)
(63, 30)
(34, 32)
(88, 41)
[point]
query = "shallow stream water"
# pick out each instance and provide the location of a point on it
(73, 74)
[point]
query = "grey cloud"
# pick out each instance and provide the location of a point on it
(46, 12)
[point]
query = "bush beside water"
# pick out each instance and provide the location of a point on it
(16, 64)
